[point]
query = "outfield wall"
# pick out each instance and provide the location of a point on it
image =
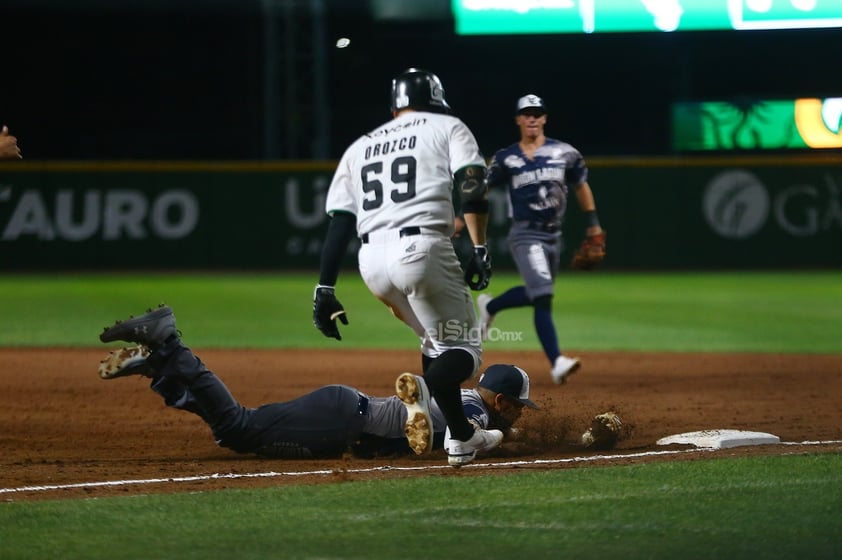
(667, 213)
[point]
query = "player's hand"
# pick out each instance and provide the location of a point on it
(9, 148)
(591, 252)
(478, 271)
(326, 310)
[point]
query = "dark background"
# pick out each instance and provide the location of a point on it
(186, 79)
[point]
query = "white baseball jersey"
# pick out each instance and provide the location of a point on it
(401, 173)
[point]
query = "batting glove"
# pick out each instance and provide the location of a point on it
(326, 309)
(478, 271)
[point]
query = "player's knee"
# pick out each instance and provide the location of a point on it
(543, 302)
(452, 366)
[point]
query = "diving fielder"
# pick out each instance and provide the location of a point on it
(323, 423)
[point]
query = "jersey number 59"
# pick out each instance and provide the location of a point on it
(402, 177)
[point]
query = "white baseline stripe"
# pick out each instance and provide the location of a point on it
(272, 474)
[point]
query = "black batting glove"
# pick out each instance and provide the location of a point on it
(478, 271)
(326, 309)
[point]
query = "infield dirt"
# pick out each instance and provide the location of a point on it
(63, 425)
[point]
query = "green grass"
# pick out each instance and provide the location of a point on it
(783, 507)
(723, 312)
(777, 507)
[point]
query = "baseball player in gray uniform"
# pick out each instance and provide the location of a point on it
(538, 173)
(323, 423)
(393, 188)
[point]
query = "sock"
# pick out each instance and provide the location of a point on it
(444, 378)
(513, 297)
(545, 328)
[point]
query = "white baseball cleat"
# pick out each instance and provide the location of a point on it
(124, 362)
(413, 392)
(461, 453)
(563, 368)
(485, 318)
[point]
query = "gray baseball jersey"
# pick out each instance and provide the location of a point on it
(387, 415)
(538, 191)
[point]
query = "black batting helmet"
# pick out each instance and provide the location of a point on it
(420, 90)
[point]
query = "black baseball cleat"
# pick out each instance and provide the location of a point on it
(151, 329)
(124, 362)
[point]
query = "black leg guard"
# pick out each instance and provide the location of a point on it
(425, 362)
(444, 378)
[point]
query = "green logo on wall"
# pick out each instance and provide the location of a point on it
(758, 124)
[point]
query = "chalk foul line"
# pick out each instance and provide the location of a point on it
(325, 472)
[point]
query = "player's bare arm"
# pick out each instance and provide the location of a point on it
(584, 195)
(592, 250)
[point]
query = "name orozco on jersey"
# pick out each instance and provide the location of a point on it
(390, 146)
(537, 176)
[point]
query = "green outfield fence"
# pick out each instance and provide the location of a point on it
(668, 213)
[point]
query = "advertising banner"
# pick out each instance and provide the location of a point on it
(757, 212)
(758, 124)
(501, 17)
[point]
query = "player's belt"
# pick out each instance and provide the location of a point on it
(362, 406)
(549, 227)
(404, 232)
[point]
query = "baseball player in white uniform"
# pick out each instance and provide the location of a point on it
(393, 189)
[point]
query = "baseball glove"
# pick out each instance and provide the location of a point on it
(590, 253)
(604, 431)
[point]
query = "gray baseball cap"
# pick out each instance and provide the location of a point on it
(530, 101)
(508, 380)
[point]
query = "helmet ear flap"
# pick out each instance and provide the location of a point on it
(420, 90)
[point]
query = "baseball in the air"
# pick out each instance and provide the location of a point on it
(342, 42)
